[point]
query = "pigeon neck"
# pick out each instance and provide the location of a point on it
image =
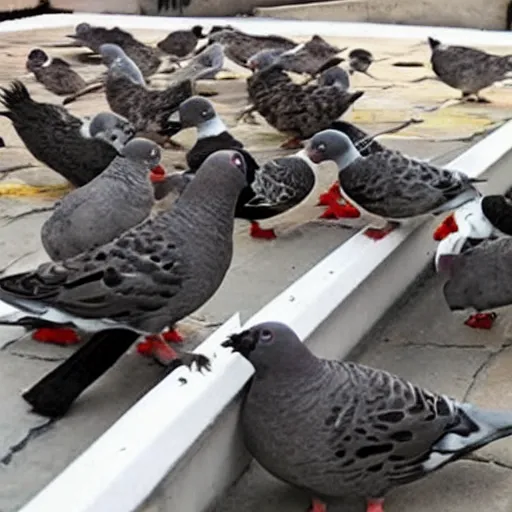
(132, 173)
(211, 128)
(47, 63)
(347, 158)
(126, 67)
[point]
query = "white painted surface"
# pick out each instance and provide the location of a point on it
(255, 25)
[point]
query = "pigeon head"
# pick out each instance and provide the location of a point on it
(336, 77)
(360, 59)
(37, 58)
(269, 344)
(119, 63)
(197, 30)
(211, 59)
(433, 43)
(82, 29)
(142, 151)
(264, 58)
(332, 145)
(200, 113)
(111, 128)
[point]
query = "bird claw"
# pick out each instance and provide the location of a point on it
(481, 320)
(447, 227)
(172, 336)
(340, 211)
(332, 195)
(265, 234)
(379, 233)
(201, 361)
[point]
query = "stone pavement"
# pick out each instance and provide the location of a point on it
(32, 452)
(421, 340)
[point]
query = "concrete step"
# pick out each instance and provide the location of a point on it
(457, 13)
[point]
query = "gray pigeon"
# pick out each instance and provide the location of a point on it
(298, 110)
(467, 69)
(59, 139)
(389, 185)
(118, 199)
(360, 60)
(338, 429)
(181, 43)
(150, 277)
(148, 110)
(145, 57)
(55, 74)
(334, 76)
(477, 269)
(115, 130)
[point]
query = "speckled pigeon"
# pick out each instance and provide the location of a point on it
(338, 429)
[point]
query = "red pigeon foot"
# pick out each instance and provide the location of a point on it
(332, 195)
(172, 336)
(340, 211)
(157, 174)
(481, 320)
(445, 228)
(317, 506)
(257, 232)
(63, 336)
(379, 234)
(293, 143)
(375, 506)
(154, 346)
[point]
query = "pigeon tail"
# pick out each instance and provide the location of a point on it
(17, 94)
(54, 394)
(476, 428)
(434, 43)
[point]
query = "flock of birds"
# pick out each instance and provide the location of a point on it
(120, 270)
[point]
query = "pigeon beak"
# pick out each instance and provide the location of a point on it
(173, 124)
(243, 343)
(157, 174)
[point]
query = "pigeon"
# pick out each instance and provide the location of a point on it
(299, 111)
(239, 46)
(55, 137)
(297, 60)
(467, 69)
(181, 43)
(118, 199)
(212, 133)
(204, 66)
(55, 74)
(388, 185)
(288, 187)
(145, 57)
(152, 276)
(360, 60)
(334, 76)
(485, 218)
(148, 110)
(337, 429)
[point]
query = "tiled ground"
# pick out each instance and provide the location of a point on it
(260, 269)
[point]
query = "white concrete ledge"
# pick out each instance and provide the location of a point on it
(186, 432)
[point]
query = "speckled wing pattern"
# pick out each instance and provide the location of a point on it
(393, 186)
(380, 431)
(127, 280)
(147, 110)
(468, 69)
(60, 78)
(292, 108)
(284, 181)
(53, 137)
(481, 277)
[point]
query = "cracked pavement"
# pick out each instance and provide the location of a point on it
(33, 451)
(421, 340)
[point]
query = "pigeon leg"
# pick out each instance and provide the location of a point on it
(380, 233)
(57, 336)
(257, 232)
(332, 195)
(445, 228)
(481, 320)
(340, 211)
(293, 143)
(375, 506)
(172, 335)
(479, 99)
(317, 506)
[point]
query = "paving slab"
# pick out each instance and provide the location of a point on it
(420, 340)
(260, 269)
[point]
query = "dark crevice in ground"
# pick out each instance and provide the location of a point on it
(475, 457)
(31, 434)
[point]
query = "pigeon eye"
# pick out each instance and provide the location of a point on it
(321, 147)
(237, 161)
(113, 138)
(266, 335)
(204, 113)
